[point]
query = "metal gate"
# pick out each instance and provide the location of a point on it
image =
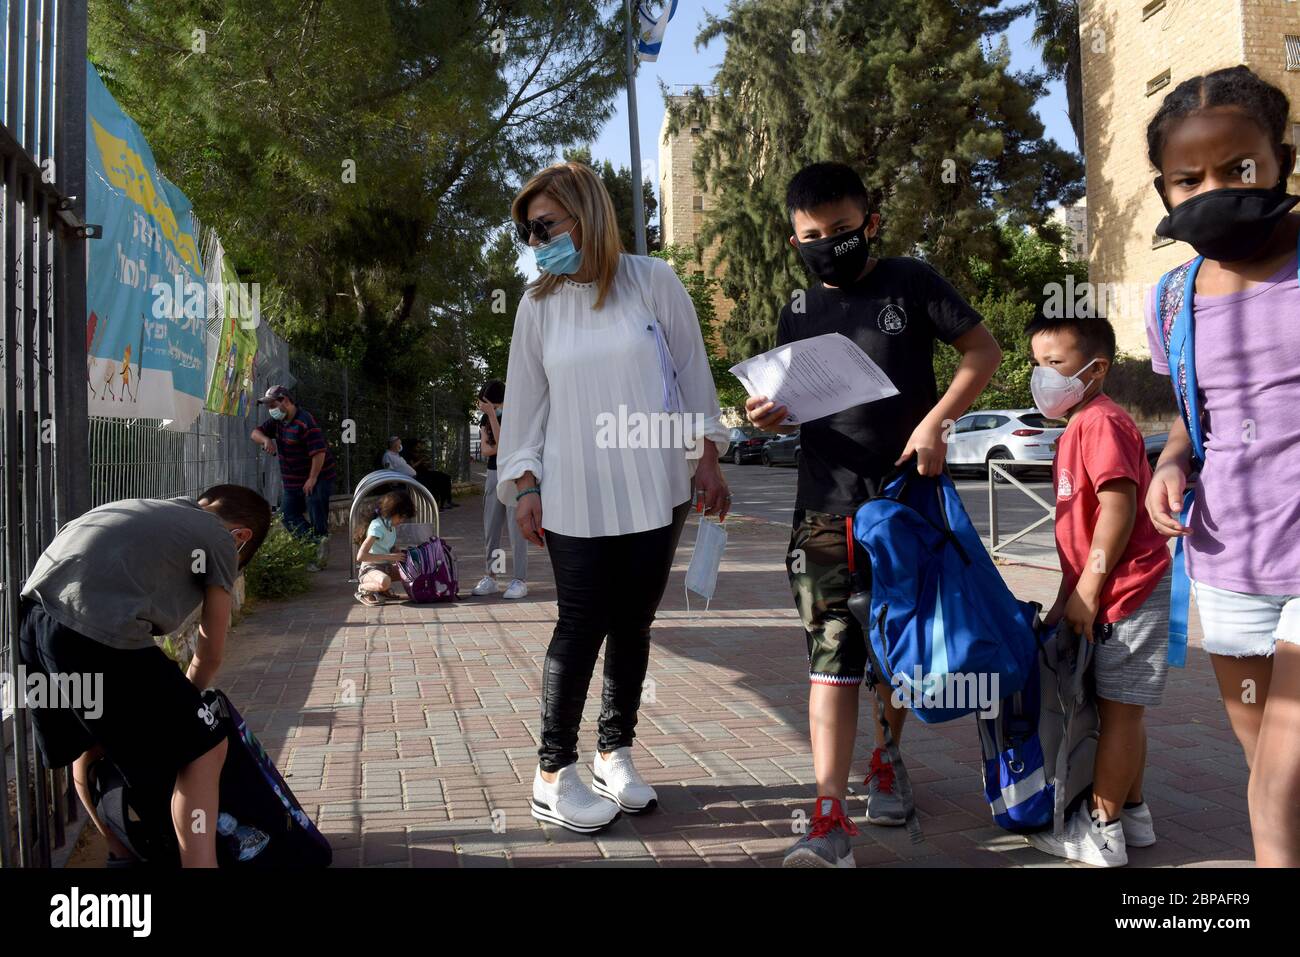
(44, 461)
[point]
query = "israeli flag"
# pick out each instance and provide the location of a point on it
(651, 30)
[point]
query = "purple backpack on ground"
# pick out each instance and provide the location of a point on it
(429, 572)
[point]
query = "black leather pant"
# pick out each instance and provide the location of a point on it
(607, 587)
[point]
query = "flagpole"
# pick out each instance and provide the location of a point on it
(634, 137)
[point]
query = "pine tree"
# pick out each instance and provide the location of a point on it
(909, 93)
(618, 183)
(358, 156)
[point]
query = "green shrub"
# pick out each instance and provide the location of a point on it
(1005, 316)
(279, 569)
(1132, 383)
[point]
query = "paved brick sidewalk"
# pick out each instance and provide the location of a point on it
(409, 732)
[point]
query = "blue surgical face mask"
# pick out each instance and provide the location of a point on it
(706, 559)
(277, 414)
(558, 257)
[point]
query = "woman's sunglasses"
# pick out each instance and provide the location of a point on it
(538, 228)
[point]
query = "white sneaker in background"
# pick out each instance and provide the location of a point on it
(517, 589)
(487, 585)
(568, 802)
(1139, 828)
(1086, 839)
(617, 779)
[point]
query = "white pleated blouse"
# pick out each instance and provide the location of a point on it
(582, 388)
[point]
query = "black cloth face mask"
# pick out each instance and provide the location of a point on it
(1227, 224)
(838, 260)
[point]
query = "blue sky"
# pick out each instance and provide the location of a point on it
(680, 63)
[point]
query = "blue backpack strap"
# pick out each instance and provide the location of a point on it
(1175, 299)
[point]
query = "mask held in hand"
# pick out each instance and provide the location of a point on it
(706, 559)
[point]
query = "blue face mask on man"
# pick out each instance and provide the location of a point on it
(559, 257)
(278, 414)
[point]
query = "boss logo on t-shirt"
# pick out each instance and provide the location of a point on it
(1064, 484)
(892, 320)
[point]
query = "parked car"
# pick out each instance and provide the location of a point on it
(1155, 444)
(1022, 434)
(782, 450)
(747, 444)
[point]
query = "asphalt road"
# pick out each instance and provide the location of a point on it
(762, 492)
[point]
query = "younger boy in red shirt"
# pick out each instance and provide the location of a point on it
(1114, 578)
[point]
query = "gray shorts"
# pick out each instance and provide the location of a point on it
(1133, 662)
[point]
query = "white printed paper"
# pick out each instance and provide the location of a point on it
(816, 377)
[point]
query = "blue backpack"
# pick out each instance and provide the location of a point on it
(947, 633)
(1175, 312)
(1040, 747)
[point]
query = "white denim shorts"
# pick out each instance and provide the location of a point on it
(1240, 625)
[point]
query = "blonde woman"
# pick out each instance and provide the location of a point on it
(604, 342)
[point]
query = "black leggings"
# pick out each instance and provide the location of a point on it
(608, 586)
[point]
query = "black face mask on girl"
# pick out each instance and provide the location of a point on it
(1228, 224)
(838, 260)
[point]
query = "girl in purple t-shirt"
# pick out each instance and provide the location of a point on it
(1218, 142)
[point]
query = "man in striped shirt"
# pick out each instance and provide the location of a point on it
(306, 462)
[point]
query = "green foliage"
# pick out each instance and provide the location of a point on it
(905, 91)
(701, 287)
(1005, 316)
(492, 316)
(1056, 31)
(279, 569)
(357, 156)
(1010, 290)
(618, 183)
(1025, 264)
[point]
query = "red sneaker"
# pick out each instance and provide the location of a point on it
(884, 805)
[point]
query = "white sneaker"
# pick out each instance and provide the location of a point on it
(568, 802)
(487, 585)
(517, 589)
(617, 779)
(1139, 828)
(1086, 839)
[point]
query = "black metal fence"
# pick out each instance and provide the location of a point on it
(359, 415)
(55, 460)
(43, 474)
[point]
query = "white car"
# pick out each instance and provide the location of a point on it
(1022, 434)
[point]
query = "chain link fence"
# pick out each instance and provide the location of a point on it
(358, 417)
(141, 458)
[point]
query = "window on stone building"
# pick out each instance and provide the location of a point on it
(1158, 82)
(697, 203)
(1292, 52)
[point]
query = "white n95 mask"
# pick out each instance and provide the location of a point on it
(706, 559)
(1055, 394)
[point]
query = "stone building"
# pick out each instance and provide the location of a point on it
(1134, 53)
(683, 205)
(1073, 223)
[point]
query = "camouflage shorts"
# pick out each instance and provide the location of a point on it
(817, 563)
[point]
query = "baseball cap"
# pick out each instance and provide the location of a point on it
(275, 393)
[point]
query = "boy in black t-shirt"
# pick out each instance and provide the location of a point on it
(894, 309)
